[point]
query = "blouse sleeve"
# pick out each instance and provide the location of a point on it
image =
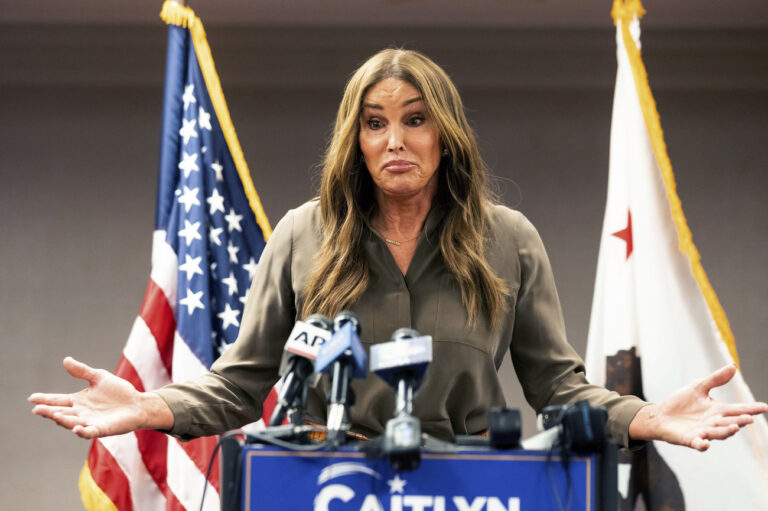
(549, 369)
(232, 393)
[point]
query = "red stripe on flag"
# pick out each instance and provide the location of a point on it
(199, 451)
(108, 475)
(126, 371)
(153, 446)
(158, 315)
(172, 503)
(269, 406)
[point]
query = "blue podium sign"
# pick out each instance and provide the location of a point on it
(276, 479)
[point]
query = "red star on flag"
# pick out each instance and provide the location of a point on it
(626, 233)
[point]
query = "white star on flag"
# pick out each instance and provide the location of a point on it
(191, 266)
(229, 317)
(213, 235)
(189, 163)
(189, 198)
(217, 168)
(396, 485)
(216, 202)
(188, 130)
(189, 95)
(244, 298)
(224, 347)
(205, 119)
(192, 301)
(231, 283)
(251, 268)
(189, 232)
(233, 221)
(233, 250)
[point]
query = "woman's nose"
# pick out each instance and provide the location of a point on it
(395, 142)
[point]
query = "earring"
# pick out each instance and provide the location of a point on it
(444, 151)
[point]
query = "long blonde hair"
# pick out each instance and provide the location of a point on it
(341, 272)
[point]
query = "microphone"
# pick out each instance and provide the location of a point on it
(576, 427)
(297, 367)
(402, 363)
(344, 358)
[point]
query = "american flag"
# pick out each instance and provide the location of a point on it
(210, 231)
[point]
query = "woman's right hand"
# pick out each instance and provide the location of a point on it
(109, 406)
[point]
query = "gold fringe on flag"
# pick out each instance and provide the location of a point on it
(175, 14)
(93, 497)
(625, 12)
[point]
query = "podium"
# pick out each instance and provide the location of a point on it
(259, 477)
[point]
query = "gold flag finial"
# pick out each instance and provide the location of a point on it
(176, 13)
(626, 9)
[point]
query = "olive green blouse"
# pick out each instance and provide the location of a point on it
(461, 383)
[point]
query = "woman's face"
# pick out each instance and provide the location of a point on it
(399, 140)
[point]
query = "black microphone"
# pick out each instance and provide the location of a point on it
(402, 363)
(344, 358)
(298, 367)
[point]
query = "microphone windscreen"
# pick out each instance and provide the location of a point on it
(320, 321)
(404, 333)
(404, 356)
(344, 344)
(344, 317)
(305, 341)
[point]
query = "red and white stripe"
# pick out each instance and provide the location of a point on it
(147, 470)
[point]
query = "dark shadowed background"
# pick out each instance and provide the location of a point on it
(80, 105)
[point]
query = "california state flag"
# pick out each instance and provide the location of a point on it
(656, 323)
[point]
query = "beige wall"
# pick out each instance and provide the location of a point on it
(79, 129)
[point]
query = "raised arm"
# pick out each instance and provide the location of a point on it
(108, 406)
(690, 417)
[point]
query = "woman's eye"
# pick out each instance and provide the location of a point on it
(417, 120)
(374, 124)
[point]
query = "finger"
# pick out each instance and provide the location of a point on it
(51, 399)
(739, 420)
(47, 411)
(87, 432)
(716, 379)
(80, 370)
(744, 408)
(68, 421)
(66, 411)
(700, 444)
(721, 433)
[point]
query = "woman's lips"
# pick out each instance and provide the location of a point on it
(399, 165)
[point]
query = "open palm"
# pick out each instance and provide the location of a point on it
(690, 417)
(108, 406)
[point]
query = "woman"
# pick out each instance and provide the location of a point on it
(404, 234)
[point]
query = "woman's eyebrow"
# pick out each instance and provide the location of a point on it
(412, 100)
(376, 106)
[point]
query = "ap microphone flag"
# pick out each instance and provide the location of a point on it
(656, 323)
(210, 230)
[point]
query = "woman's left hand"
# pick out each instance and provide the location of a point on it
(690, 417)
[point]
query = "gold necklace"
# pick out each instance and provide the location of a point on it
(398, 243)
